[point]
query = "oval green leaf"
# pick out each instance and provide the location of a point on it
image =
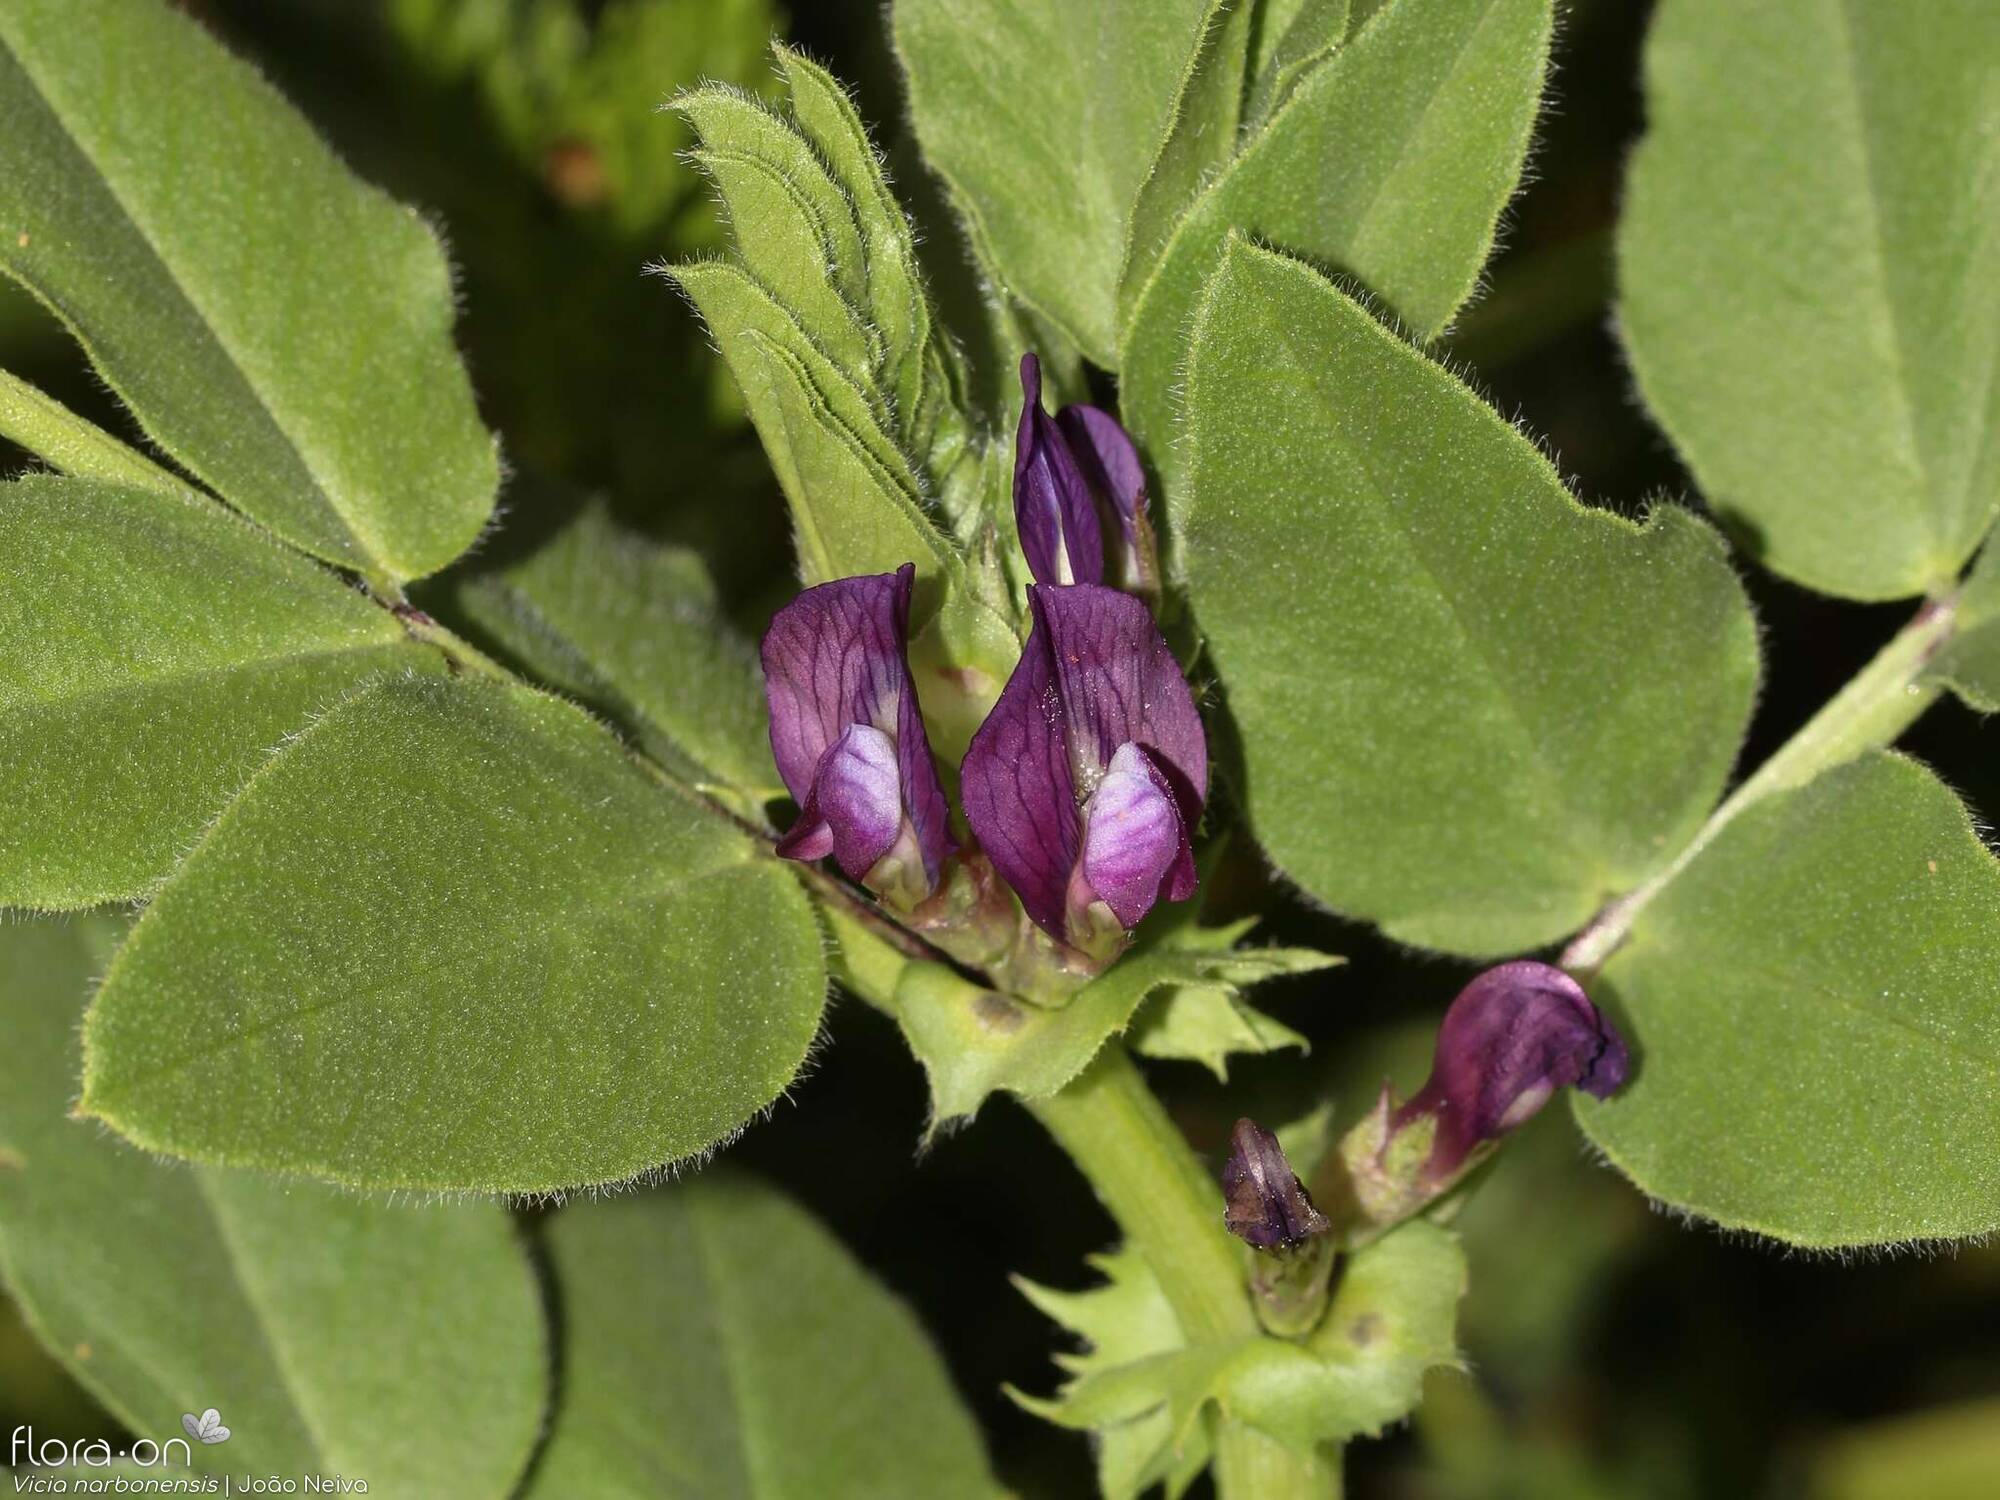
(1471, 709)
(1814, 1006)
(153, 652)
(279, 328)
(288, 1308)
(720, 1345)
(452, 937)
(1809, 267)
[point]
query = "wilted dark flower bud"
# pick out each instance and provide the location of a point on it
(1513, 1037)
(1268, 1208)
(849, 738)
(1065, 469)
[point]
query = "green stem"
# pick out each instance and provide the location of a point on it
(1877, 705)
(1170, 1210)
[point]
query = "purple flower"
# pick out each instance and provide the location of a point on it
(1513, 1037)
(1053, 507)
(1110, 464)
(1087, 779)
(848, 737)
(1071, 472)
(1267, 1207)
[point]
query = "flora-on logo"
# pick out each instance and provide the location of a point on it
(206, 1428)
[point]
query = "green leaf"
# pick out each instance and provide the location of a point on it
(974, 1042)
(63, 440)
(1124, 1319)
(1390, 1320)
(1814, 1006)
(720, 1345)
(281, 330)
(1297, 36)
(288, 1307)
(1392, 161)
(1810, 278)
(1043, 117)
(453, 938)
(153, 652)
(1471, 709)
(633, 628)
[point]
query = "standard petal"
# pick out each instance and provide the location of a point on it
(1118, 683)
(1053, 508)
(834, 657)
(1017, 791)
(1135, 846)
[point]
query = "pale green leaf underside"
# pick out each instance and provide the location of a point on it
(453, 938)
(287, 1307)
(281, 330)
(1471, 709)
(1814, 1005)
(1809, 266)
(155, 651)
(66, 442)
(1044, 117)
(632, 625)
(722, 1346)
(1391, 160)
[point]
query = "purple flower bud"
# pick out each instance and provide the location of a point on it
(848, 737)
(1513, 1037)
(1053, 508)
(1110, 464)
(1086, 781)
(1267, 1207)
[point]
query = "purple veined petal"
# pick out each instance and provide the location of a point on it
(1513, 1036)
(835, 658)
(854, 809)
(1119, 684)
(1095, 677)
(1109, 459)
(1135, 846)
(1053, 508)
(1266, 1205)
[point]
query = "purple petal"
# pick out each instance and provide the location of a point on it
(1266, 1204)
(1110, 464)
(1053, 509)
(834, 658)
(1513, 1037)
(1135, 846)
(1094, 678)
(854, 809)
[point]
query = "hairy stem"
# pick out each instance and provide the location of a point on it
(1876, 706)
(1170, 1210)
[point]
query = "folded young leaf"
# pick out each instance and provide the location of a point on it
(451, 937)
(287, 1307)
(153, 652)
(1471, 709)
(1391, 160)
(1391, 1320)
(1044, 118)
(1814, 1010)
(632, 628)
(1809, 268)
(66, 442)
(719, 1342)
(1295, 36)
(281, 330)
